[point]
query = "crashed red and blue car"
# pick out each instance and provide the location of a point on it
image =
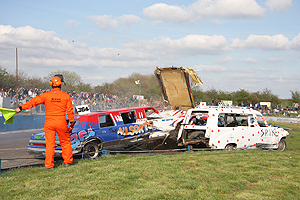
(119, 129)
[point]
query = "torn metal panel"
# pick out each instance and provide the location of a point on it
(174, 83)
(194, 76)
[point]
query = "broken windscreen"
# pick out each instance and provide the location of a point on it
(198, 118)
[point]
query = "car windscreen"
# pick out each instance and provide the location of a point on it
(261, 121)
(198, 118)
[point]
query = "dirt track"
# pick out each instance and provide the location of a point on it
(13, 151)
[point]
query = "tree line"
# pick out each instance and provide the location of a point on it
(150, 89)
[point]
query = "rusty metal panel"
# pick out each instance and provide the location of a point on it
(175, 87)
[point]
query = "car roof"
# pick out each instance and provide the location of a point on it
(226, 110)
(119, 110)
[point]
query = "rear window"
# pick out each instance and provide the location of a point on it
(105, 121)
(234, 120)
(128, 117)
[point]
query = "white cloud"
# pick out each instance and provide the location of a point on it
(205, 9)
(226, 59)
(59, 62)
(265, 42)
(267, 69)
(228, 9)
(127, 64)
(164, 12)
(104, 22)
(295, 43)
(211, 68)
(190, 45)
(254, 77)
(155, 22)
(31, 38)
(128, 20)
(72, 23)
(249, 60)
(278, 5)
(272, 60)
(98, 78)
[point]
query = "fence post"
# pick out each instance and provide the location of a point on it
(105, 152)
(190, 148)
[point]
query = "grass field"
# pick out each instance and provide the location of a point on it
(241, 174)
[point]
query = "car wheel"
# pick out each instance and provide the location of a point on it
(230, 147)
(281, 145)
(91, 150)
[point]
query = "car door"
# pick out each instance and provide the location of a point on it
(130, 127)
(267, 134)
(235, 128)
(108, 129)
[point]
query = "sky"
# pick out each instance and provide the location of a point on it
(231, 44)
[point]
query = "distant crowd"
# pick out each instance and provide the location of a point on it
(95, 101)
(264, 109)
(98, 101)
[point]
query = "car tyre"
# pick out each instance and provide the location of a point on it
(281, 145)
(92, 150)
(230, 147)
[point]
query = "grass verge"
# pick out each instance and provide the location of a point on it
(242, 174)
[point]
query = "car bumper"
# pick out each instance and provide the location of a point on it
(37, 151)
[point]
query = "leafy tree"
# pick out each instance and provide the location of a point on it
(253, 98)
(127, 87)
(72, 80)
(150, 88)
(84, 87)
(295, 97)
(104, 89)
(199, 95)
(223, 95)
(212, 94)
(241, 96)
(7, 80)
(34, 82)
(267, 96)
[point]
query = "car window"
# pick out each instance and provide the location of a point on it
(260, 121)
(198, 118)
(234, 120)
(105, 121)
(128, 117)
(151, 114)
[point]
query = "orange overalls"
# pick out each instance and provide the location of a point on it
(56, 104)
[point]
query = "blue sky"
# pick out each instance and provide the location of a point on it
(232, 44)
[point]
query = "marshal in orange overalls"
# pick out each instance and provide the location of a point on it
(57, 103)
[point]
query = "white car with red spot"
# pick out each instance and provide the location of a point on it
(229, 128)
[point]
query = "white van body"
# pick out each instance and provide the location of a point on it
(229, 128)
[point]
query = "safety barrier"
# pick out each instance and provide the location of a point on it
(23, 122)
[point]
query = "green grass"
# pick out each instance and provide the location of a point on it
(242, 174)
